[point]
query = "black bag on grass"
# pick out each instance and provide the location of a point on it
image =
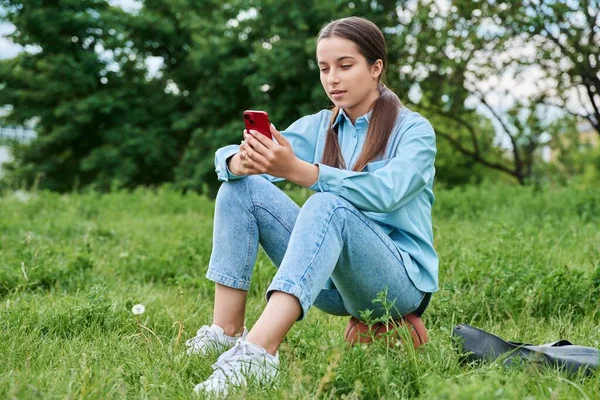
(476, 344)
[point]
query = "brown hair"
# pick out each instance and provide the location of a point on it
(371, 44)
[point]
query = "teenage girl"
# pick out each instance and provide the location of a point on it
(367, 228)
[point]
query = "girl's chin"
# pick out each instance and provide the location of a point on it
(339, 103)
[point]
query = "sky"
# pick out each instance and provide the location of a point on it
(7, 48)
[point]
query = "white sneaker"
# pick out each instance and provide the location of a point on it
(211, 339)
(245, 362)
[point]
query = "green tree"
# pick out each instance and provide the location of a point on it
(456, 56)
(566, 35)
(102, 120)
(99, 120)
(227, 57)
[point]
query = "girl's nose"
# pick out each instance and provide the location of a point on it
(332, 78)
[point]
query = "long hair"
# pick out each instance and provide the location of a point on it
(371, 44)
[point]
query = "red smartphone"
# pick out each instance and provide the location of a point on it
(258, 121)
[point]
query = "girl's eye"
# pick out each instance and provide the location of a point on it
(346, 66)
(324, 69)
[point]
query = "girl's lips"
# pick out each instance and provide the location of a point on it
(338, 95)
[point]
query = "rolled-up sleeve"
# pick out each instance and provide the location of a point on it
(302, 135)
(221, 157)
(393, 185)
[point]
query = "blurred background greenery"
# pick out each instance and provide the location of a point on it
(120, 94)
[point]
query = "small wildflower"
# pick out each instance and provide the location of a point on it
(22, 196)
(138, 309)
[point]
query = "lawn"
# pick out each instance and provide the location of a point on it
(523, 263)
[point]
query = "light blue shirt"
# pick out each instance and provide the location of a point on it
(395, 190)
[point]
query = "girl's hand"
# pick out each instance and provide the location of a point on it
(240, 164)
(267, 157)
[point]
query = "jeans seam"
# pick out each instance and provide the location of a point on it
(394, 250)
(261, 206)
(320, 244)
(363, 218)
(252, 222)
(249, 249)
(416, 305)
(251, 207)
(309, 267)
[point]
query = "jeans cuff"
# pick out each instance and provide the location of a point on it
(227, 280)
(294, 290)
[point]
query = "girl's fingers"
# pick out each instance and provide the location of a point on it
(247, 165)
(262, 139)
(257, 159)
(259, 142)
(258, 147)
(280, 138)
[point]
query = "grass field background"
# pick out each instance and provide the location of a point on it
(521, 262)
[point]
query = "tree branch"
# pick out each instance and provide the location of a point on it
(570, 54)
(592, 98)
(595, 124)
(591, 20)
(464, 123)
(516, 151)
(563, 107)
(555, 40)
(477, 157)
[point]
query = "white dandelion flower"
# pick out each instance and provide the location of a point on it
(22, 196)
(138, 309)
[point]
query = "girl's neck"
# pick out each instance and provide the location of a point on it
(363, 107)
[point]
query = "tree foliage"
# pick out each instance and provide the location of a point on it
(566, 37)
(100, 120)
(105, 118)
(459, 57)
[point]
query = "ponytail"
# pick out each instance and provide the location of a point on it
(332, 154)
(385, 111)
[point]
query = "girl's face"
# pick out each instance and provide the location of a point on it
(349, 81)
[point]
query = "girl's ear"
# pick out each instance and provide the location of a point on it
(377, 68)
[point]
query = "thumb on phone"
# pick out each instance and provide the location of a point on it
(279, 137)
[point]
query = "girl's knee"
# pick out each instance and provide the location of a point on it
(245, 189)
(325, 201)
(235, 189)
(240, 184)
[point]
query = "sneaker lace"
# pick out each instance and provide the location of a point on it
(203, 333)
(228, 365)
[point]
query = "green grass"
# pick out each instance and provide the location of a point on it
(521, 263)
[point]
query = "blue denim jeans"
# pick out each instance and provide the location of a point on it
(327, 252)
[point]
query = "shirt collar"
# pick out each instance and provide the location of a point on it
(342, 114)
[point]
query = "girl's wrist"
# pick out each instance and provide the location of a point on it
(232, 164)
(304, 173)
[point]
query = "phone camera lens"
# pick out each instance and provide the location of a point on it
(252, 122)
(246, 116)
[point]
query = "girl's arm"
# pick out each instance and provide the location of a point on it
(300, 172)
(301, 135)
(390, 187)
